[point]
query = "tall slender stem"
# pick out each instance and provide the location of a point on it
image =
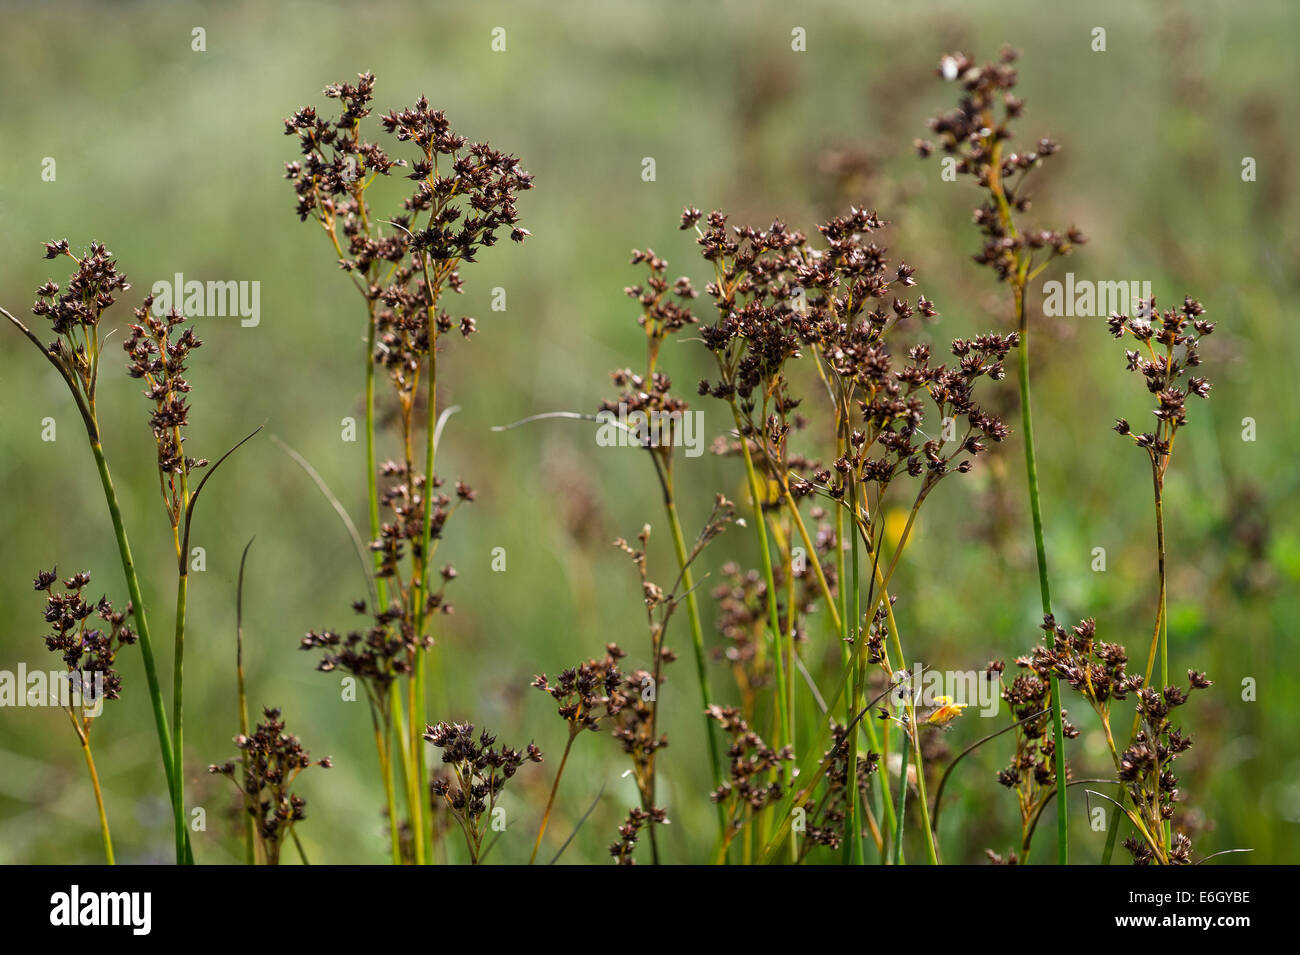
(414, 786)
(178, 735)
(1162, 623)
(822, 582)
(813, 770)
(420, 585)
(853, 678)
(555, 786)
(917, 756)
(82, 729)
(99, 803)
(1159, 648)
(765, 556)
(141, 618)
(250, 852)
(1031, 473)
(931, 848)
(1019, 281)
(897, 854)
(372, 489)
(382, 734)
(415, 710)
(697, 637)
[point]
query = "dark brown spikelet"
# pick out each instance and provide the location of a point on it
(630, 831)
(158, 349)
(74, 312)
(1167, 347)
(778, 297)
(86, 635)
(753, 779)
(978, 134)
(476, 771)
(588, 693)
(270, 761)
(1096, 670)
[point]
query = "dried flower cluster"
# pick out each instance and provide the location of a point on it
(157, 356)
(376, 656)
(74, 312)
(477, 772)
(976, 134)
(88, 652)
(588, 693)
(271, 761)
(845, 414)
(753, 777)
(1177, 333)
(463, 200)
(1096, 670)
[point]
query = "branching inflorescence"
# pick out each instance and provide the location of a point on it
(843, 415)
(463, 201)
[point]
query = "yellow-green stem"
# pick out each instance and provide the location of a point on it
(555, 786)
(140, 617)
(372, 489)
(99, 795)
(697, 642)
(178, 704)
(250, 853)
(853, 677)
(765, 556)
(1040, 548)
(414, 788)
(420, 586)
(382, 734)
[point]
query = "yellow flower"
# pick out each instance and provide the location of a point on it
(946, 712)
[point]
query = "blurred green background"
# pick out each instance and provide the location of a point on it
(174, 159)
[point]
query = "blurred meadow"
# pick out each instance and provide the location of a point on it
(174, 159)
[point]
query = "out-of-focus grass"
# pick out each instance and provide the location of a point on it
(173, 158)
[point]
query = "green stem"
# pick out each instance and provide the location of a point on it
(1159, 637)
(382, 736)
(420, 586)
(415, 692)
(1164, 626)
(250, 852)
(931, 848)
(141, 618)
(760, 527)
(811, 772)
(902, 803)
(910, 729)
(1031, 473)
(414, 787)
(297, 844)
(178, 791)
(372, 489)
(853, 676)
(697, 643)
